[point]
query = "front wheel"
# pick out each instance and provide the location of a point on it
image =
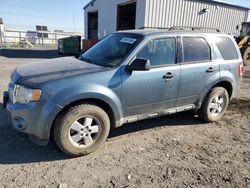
(214, 105)
(82, 129)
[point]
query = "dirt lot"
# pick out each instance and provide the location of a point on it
(172, 151)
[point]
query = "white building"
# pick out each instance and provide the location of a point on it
(105, 16)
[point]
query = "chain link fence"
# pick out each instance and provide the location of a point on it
(26, 39)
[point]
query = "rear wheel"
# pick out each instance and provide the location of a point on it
(246, 55)
(82, 129)
(214, 105)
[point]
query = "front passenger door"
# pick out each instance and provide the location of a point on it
(156, 89)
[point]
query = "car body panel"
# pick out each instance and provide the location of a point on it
(195, 81)
(148, 90)
(54, 69)
(131, 96)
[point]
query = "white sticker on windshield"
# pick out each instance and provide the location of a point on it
(128, 40)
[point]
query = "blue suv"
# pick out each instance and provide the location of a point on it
(126, 77)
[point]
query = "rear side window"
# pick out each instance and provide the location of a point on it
(196, 49)
(226, 48)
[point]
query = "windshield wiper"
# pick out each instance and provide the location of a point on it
(88, 60)
(91, 61)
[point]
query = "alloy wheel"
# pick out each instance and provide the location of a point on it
(216, 105)
(84, 131)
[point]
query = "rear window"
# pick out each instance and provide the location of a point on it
(226, 48)
(196, 49)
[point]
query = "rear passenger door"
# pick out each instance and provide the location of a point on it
(199, 70)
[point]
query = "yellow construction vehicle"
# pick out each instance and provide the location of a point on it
(244, 42)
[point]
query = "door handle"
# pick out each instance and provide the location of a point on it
(210, 70)
(168, 75)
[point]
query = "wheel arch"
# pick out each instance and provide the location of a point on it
(225, 84)
(87, 93)
(95, 101)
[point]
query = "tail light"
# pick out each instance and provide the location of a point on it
(240, 70)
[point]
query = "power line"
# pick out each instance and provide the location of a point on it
(42, 10)
(51, 28)
(41, 17)
(67, 17)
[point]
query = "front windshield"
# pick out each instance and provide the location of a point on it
(112, 50)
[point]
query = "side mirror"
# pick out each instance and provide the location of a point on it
(139, 65)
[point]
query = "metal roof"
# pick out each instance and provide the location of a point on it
(86, 6)
(219, 2)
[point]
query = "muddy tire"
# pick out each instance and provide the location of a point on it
(81, 130)
(215, 105)
(245, 51)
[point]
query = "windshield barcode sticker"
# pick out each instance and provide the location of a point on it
(128, 40)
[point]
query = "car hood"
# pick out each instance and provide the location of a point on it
(54, 69)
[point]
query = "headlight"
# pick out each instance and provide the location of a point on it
(25, 95)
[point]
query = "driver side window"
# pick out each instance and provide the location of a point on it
(160, 52)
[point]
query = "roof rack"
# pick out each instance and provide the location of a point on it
(183, 28)
(193, 28)
(154, 28)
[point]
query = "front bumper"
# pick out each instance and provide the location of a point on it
(34, 118)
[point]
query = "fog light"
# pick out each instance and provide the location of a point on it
(19, 123)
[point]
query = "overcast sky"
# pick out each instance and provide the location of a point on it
(56, 14)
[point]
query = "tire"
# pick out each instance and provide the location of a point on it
(81, 130)
(245, 51)
(215, 105)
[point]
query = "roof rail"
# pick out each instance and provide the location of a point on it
(193, 28)
(183, 28)
(154, 28)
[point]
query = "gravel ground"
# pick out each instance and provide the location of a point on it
(171, 151)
